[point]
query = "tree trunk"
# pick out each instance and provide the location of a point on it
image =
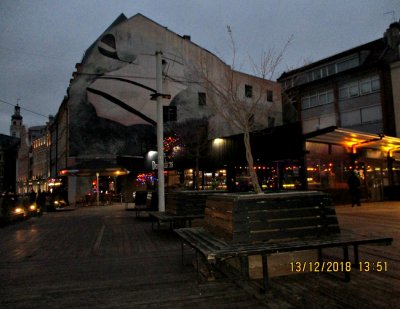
(249, 157)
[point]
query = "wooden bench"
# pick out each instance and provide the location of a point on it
(163, 217)
(276, 224)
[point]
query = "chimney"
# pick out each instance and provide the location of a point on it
(186, 37)
(78, 67)
(392, 36)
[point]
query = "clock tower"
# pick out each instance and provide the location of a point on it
(16, 123)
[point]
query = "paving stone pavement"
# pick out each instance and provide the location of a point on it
(102, 257)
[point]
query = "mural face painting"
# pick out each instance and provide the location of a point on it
(110, 97)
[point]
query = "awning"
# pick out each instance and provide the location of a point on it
(354, 140)
(93, 167)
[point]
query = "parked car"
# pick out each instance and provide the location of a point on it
(34, 209)
(12, 208)
(56, 203)
(29, 203)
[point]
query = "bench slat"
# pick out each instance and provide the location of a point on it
(287, 223)
(215, 249)
(289, 213)
(165, 217)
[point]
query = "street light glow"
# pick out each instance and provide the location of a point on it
(218, 142)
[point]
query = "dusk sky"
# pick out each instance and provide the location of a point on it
(42, 40)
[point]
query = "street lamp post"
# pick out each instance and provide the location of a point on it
(160, 133)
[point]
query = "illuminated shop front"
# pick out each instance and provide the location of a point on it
(207, 180)
(332, 153)
(93, 181)
(53, 184)
(223, 166)
(278, 175)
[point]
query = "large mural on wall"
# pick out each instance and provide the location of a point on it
(110, 108)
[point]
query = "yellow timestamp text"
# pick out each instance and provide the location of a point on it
(317, 267)
(369, 266)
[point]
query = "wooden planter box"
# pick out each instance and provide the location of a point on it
(266, 217)
(261, 217)
(187, 202)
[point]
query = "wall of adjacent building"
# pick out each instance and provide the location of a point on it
(23, 163)
(395, 75)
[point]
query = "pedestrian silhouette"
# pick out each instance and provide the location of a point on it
(354, 184)
(32, 196)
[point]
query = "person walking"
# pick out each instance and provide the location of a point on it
(41, 201)
(354, 184)
(32, 196)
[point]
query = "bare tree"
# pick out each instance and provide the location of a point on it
(269, 61)
(192, 136)
(244, 110)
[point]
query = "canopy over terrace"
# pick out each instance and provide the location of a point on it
(95, 167)
(375, 157)
(354, 140)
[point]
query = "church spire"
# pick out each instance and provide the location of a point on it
(16, 123)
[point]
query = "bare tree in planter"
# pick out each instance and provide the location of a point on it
(242, 107)
(192, 136)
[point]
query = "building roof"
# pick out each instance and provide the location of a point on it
(385, 48)
(8, 141)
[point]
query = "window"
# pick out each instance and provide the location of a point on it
(305, 102)
(351, 118)
(317, 98)
(365, 86)
(371, 114)
(375, 85)
(322, 98)
(169, 113)
(362, 116)
(331, 69)
(248, 91)
(309, 77)
(324, 72)
(202, 98)
(343, 93)
(360, 87)
(353, 90)
(270, 96)
(313, 100)
(317, 74)
(289, 83)
(329, 95)
(348, 64)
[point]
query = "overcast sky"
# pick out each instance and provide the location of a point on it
(41, 40)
